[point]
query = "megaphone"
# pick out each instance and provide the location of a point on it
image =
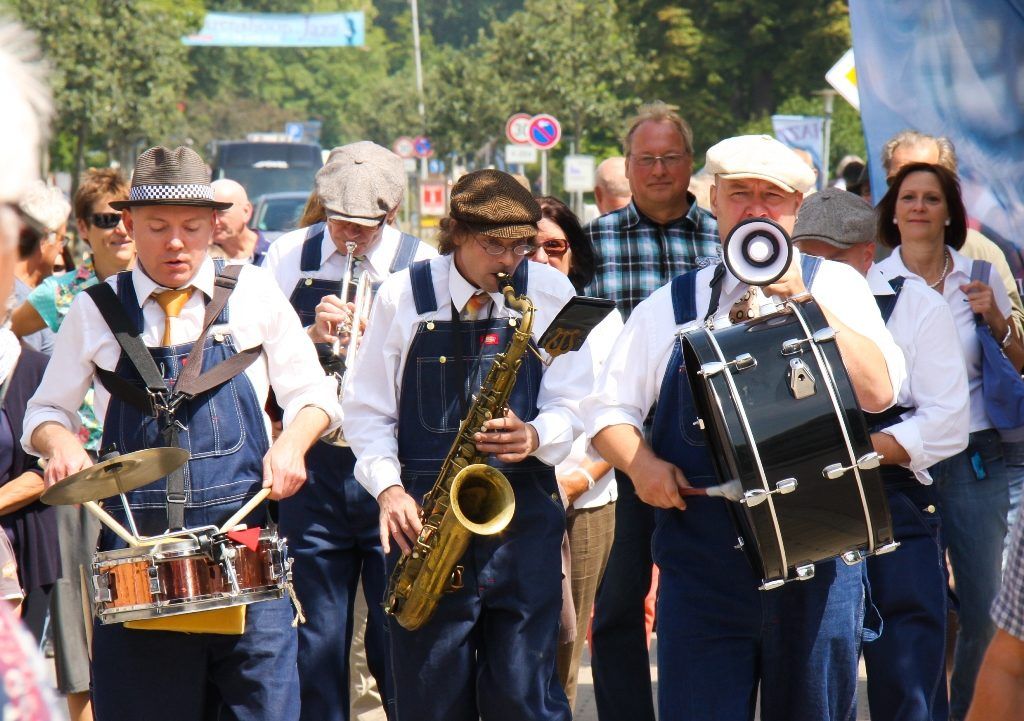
(758, 251)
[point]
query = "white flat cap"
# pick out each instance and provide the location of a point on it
(761, 157)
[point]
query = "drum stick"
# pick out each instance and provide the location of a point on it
(111, 523)
(245, 510)
(732, 490)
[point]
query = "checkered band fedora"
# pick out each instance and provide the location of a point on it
(494, 203)
(170, 177)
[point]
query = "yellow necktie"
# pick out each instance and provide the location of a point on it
(745, 308)
(172, 301)
(475, 305)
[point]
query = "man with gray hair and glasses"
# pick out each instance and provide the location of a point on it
(658, 235)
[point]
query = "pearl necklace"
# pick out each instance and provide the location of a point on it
(945, 270)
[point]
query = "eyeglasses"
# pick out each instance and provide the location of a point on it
(671, 160)
(493, 247)
(555, 247)
(105, 221)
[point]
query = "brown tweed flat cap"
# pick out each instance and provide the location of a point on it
(494, 203)
(170, 177)
(361, 182)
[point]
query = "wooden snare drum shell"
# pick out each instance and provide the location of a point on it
(794, 438)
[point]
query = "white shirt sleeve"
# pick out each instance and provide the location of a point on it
(936, 385)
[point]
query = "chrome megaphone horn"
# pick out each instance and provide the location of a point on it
(758, 251)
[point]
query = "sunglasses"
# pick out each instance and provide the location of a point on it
(105, 221)
(556, 247)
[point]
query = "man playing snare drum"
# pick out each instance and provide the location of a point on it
(720, 639)
(156, 675)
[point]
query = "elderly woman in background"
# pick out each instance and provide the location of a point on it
(922, 218)
(587, 481)
(39, 244)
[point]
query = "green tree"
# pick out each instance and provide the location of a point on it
(119, 71)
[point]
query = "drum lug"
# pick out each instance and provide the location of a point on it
(699, 423)
(767, 585)
(887, 547)
(867, 462)
(740, 543)
(758, 496)
(793, 346)
(805, 572)
(101, 588)
(852, 558)
(801, 380)
(824, 335)
(155, 587)
(711, 368)
(742, 362)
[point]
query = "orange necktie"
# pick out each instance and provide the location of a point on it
(475, 305)
(172, 301)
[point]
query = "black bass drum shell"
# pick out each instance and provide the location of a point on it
(794, 438)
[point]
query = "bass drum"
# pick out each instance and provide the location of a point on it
(779, 413)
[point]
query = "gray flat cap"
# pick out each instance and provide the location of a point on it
(836, 217)
(361, 183)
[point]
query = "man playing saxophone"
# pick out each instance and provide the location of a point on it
(488, 651)
(331, 524)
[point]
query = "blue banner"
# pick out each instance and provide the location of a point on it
(949, 68)
(803, 132)
(276, 30)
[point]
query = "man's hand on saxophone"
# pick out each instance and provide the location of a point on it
(509, 438)
(399, 518)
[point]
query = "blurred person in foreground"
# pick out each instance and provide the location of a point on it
(923, 220)
(38, 248)
(25, 691)
(906, 665)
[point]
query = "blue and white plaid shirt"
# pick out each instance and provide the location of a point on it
(1008, 608)
(636, 256)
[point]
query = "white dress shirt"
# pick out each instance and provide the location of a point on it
(283, 259)
(372, 390)
(960, 274)
(936, 383)
(605, 490)
(632, 376)
(257, 314)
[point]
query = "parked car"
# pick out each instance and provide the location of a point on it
(277, 213)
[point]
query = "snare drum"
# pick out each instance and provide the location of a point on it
(180, 575)
(780, 414)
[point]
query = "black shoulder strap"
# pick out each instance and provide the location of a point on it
(716, 293)
(887, 303)
(422, 287)
(407, 247)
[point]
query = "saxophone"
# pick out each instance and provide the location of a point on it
(468, 496)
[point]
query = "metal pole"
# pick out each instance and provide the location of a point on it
(544, 172)
(828, 97)
(419, 94)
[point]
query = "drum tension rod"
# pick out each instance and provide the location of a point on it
(795, 345)
(742, 362)
(758, 496)
(867, 462)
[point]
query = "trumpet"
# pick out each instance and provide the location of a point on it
(361, 294)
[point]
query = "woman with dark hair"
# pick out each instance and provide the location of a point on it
(922, 218)
(586, 480)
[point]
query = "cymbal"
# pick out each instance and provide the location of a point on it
(117, 475)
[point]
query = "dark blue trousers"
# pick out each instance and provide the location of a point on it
(167, 676)
(621, 662)
(332, 531)
(907, 664)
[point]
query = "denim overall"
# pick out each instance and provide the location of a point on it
(489, 650)
(158, 675)
(906, 665)
(719, 637)
(334, 536)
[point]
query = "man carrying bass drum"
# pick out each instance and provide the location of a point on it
(720, 639)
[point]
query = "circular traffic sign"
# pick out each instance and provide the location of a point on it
(422, 147)
(404, 147)
(517, 128)
(545, 132)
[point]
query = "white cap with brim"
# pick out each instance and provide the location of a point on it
(760, 157)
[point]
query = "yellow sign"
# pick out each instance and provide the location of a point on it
(843, 77)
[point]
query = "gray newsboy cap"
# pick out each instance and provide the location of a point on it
(836, 217)
(361, 183)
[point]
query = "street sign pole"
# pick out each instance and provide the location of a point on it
(544, 172)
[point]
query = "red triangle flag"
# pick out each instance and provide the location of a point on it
(250, 538)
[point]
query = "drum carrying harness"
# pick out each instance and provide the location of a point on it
(157, 399)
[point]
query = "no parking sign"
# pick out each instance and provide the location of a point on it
(545, 132)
